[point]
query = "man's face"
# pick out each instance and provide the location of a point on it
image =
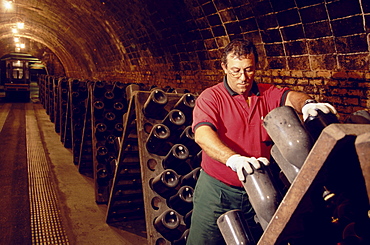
(240, 72)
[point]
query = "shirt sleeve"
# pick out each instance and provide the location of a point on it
(206, 111)
(273, 95)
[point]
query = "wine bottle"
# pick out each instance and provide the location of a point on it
(316, 124)
(108, 98)
(157, 138)
(165, 183)
(182, 239)
(99, 88)
(186, 104)
(187, 138)
(175, 159)
(100, 131)
(262, 194)
(109, 118)
(75, 95)
(98, 108)
(286, 130)
(83, 91)
(196, 160)
(234, 228)
(102, 177)
(182, 201)
(174, 120)
(290, 171)
(191, 178)
(167, 224)
(112, 143)
(77, 128)
(118, 108)
(119, 89)
(118, 129)
(75, 84)
(101, 154)
(64, 94)
(154, 105)
(76, 111)
(112, 164)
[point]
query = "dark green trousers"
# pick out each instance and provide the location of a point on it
(211, 199)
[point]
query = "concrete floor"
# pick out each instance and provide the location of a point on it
(82, 218)
(85, 219)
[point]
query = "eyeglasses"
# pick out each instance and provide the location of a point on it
(238, 74)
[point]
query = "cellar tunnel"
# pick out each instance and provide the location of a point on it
(84, 162)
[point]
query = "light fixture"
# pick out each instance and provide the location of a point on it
(20, 25)
(16, 24)
(16, 39)
(20, 45)
(8, 4)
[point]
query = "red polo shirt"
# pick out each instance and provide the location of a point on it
(238, 125)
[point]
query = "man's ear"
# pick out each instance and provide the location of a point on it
(224, 67)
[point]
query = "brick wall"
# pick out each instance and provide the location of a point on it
(317, 46)
(348, 91)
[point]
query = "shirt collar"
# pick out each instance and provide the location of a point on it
(254, 88)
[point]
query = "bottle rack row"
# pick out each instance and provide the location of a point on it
(158, 125)
(136, 144)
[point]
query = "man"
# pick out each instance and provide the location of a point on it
(227, 122)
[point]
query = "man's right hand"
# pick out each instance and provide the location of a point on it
(310, 109)
(238, 163)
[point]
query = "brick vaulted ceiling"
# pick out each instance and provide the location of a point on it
(92, 38)
(79, 33)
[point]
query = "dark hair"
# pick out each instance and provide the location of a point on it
(239, 47)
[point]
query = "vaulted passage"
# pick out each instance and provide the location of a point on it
(91, 68)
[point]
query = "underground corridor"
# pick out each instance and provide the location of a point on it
(97, 142)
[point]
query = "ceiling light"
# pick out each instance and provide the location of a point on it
(8, 4)
(20, 25)
(20, 45)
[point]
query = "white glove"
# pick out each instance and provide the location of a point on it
(310, 109)
(238, 163)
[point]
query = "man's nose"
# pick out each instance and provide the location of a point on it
(243, 76)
